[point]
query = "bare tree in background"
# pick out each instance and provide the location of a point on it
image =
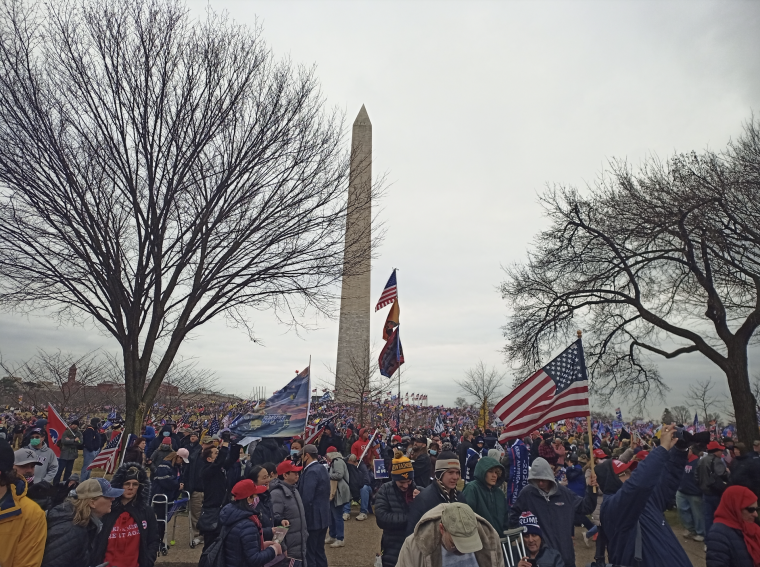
(669, 254)
(157, 172)
(702, 396)
(682, 415)
(365, 387)
(460, 402)
(484, 386)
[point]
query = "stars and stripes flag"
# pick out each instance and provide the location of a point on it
(438, 427)
(314, 430)
(213, 429)
(557, 391)
(106, 459)
(390, 292)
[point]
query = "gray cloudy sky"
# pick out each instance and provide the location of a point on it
(475, 107)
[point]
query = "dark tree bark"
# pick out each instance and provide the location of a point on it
(158, 172)
(661, 262)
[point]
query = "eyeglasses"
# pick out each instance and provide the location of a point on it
(751, 509)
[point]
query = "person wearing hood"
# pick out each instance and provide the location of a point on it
(554, 506)
(92, 443)
(443, 490)
(639, 506)
(287, 505)
(329, 438)
(157, 456)
(149, 434)
(392, 508)
(167, 480)
(734, 540)
(74, 525)
(129, 536)
(23, 528)
(244, 544)
(340, 494)
(45, 456)
(164, 433)
(268, 451)
(452, 534)
(484, 495)
(474, 454)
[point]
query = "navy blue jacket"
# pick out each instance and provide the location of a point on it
(643, 498)
(726, 548)
(242, 545)
(166, 480)
(314, 487)
(91, 439)
(689, 484)
(576, 480)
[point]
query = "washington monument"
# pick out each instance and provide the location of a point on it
(353, 333)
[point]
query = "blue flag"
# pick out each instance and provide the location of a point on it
(392, 355)
(696, 423)
(519, 463)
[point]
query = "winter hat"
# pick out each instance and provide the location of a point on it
(75, 477)
(75, 422)
(529, 523)
(479, 439)
(95, 421)
(7, 457)
(166, 441)
(447, 460)
(401, 467)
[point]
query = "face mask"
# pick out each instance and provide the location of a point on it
(35, 442)
(294, 452)
(433, 452)
(29, 479)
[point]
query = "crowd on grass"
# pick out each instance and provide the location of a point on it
(448, 495)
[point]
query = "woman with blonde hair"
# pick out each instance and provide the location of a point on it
(73, 525)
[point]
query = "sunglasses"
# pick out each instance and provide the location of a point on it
(751, 509)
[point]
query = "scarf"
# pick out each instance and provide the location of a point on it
(729, 513)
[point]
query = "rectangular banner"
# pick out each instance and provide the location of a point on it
(283, 415)
(380, 471)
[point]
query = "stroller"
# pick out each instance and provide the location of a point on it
(167, 511)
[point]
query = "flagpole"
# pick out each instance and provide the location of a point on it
(590, 434)
(398, 411)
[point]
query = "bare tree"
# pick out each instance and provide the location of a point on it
(460, 402)
(670, 254)
(702, 395)
(682, 415)
(158, 172)
(484, 386)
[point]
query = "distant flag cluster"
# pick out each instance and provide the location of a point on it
(392, 355)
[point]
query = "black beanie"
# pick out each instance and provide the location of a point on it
(95, 421)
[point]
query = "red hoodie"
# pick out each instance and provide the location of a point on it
(124, 543)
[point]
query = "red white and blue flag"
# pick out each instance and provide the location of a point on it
(55, 428)
(106, 459)
(389, 293)
(557, 391)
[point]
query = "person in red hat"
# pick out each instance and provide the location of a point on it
(287, 505)
(712, 476)
(244, 544)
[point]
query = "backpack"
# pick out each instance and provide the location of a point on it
(213, 555)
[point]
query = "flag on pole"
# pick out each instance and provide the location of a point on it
(392, 320)
(696, 422)
(392, 355)
(106, 459)
(438, 427)
(213, 429)
(390, 293)
(557, 391)
(55, 428)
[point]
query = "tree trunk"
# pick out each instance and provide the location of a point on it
(745, 405)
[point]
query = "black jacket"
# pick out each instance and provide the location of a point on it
(422, 472)
(213, 481)
(358, 476)
(425, 501)
(91, 438)
(266, 516)
(462, 449)
(142, 512)
(268, 451)
(726, 548)
(242, 546)
(68, 545)
(746, 473)
(392, 514)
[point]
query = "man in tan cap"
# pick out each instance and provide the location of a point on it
(452, 534)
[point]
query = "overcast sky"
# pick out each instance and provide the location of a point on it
(475, 107)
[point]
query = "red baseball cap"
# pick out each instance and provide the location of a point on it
(715, 446)
(246, 488)
(620, 466)
(331, 449)
(641, 455)
(599, 454)
(287, 466)
(396, 439)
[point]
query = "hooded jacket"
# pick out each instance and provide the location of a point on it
(70, 442)
(339, 472)
(554, 510)
(166, 480)
(242, 545)
(287, 505)
(488, 501)
(642, 499)
(268, 451)
(153, 445)
(68, 545)
(23, 529)
(423, 467)
(142, 513)
(391, 513)
(423, 548)
(46, 471)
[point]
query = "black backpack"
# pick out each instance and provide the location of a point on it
(213, 555)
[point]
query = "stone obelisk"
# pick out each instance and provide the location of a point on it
(353, 334)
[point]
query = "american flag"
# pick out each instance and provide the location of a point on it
(213, 429)
(314, 430)
(389, 293)
(106, 459)
(557, 391)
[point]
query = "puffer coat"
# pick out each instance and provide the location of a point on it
(242, 544)
(287, 505)
(391, 513)
(726, 548)
(68, 545)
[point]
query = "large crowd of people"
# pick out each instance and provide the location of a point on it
(451, 494)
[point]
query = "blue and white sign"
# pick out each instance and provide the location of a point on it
(380, 471)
